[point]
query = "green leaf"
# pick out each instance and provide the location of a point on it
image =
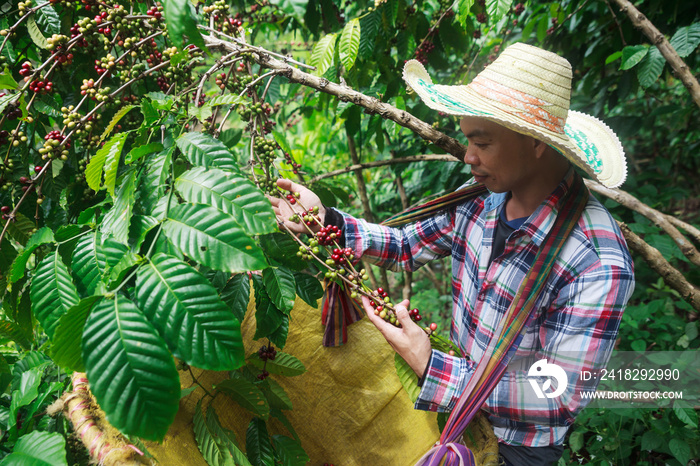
(216, 444)
(497, 9)
(38, 449)
(117, 220)
(290, 451)
(113, 148)
(686, 413)
(52, 292)
(212, 238)
(200, 113)
(686, 39)
(27, 391)
(115, 119)
(576, 441)
(651, 441)
(632, 55)
(284, 364)
(14, 332)
(680, 450)
(5, 100)
(93, 257)
(131, 372)
(408, 378)
(295, 8)
(279, 336)
(323, 53)
(650, 67)
(613, 57)
(369, 24)
(279, 415)
(152, 180)
(463, 11)
(186, 309)
(42, 236)
(121, 268)
(67, 343)
(257, 444)
(231, 193)
(36, 34)
(48, 20)
(7, 81)
(236, 295)
(205, 151)
(280, 287)
(282, 250)
(21, 229)
(275, 394)
(267, 317)
(116, 144)
(137, 152)
(246, 394)
(349, 43)
(308, 288)
(181, 20)
(205, 111)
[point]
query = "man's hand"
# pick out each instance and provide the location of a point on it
(307, 199)
(410, 340)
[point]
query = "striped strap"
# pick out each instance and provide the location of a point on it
(430, 208)
(493, 363)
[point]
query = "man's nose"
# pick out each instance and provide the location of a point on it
(470, 157)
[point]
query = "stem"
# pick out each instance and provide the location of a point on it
(194, 379)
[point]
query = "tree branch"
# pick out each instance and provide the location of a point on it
(659, 219)
(379, 163)
(660, 265)
(347, 94)
(659, 40)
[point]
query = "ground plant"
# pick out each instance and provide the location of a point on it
(140, 141)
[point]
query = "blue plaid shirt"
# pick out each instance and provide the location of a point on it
(576, 318)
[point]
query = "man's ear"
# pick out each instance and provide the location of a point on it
(540, 147)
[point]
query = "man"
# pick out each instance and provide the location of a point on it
(522, 142)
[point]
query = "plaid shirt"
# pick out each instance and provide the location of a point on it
(576, 317)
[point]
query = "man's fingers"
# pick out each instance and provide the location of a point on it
(402, 313)
(288, 185)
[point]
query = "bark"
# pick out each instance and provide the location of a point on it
(659, 219)
(660, 265)
(346, 94)
(659, 40)
(380, 163)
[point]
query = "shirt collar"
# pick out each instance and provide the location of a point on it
(538, 225)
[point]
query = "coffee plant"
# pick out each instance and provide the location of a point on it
(140, 143)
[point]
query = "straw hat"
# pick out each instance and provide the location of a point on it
(527, 90)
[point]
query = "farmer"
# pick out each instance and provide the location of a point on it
(523, 146)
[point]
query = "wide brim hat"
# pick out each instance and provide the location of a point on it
(528, 90)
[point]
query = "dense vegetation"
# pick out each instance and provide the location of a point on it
(138, 140)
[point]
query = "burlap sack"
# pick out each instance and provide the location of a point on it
(349, 407)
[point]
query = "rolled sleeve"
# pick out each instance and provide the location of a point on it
(443, 382)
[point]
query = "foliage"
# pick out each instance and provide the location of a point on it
(134, 207)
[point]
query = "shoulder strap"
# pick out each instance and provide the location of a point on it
(427, 209)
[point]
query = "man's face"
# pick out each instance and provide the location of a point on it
(500, 158)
